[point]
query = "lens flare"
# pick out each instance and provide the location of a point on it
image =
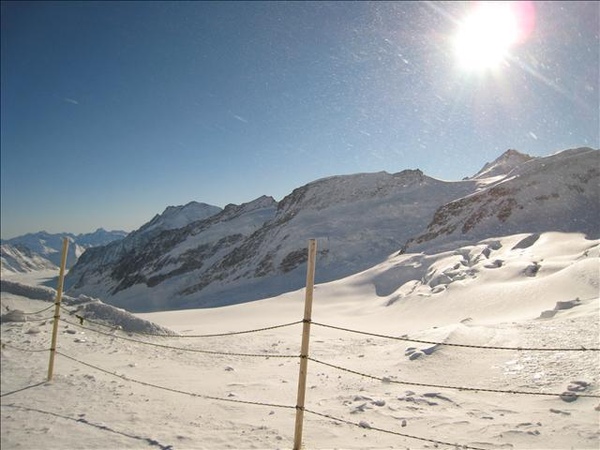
(485, 37)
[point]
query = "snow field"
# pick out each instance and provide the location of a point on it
(494, 306)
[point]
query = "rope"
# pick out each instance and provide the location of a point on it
(4, 345)
(40, 311)
(170, 347)
(459, 388)
(543, 349)
(233, 333)
(177, 391)
(23, 389)
(383, 430)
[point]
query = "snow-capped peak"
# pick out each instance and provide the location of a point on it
(503, 164)
(264, 201)
(179, 216)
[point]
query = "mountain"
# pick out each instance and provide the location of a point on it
(35, 251)
(556, 193)
(502, 166)
(179, 216)
(148, 259)
(98, 237)
(18, 258)
(258, 249)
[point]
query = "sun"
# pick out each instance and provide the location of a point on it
(484, 38)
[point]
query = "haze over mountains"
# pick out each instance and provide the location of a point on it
(199, 255)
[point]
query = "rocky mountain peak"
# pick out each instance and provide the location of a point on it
(179, 216)
(263, 201)
(502, 165)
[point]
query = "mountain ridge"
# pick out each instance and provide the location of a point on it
(200, 263)
(359, 219)
(528, 199)
(245, 252)
(44, 249)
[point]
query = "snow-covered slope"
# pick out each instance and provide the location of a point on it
(556, 193)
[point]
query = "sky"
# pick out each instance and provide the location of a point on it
(112, 111)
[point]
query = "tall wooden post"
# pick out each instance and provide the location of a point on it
(61, 278)
(310, 283)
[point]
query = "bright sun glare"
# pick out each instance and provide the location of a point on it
(485, 37)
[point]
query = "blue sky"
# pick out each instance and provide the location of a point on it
(112, 111)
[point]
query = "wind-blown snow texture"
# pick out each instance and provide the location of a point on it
(258, 249)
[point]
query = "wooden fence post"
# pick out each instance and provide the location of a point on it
(59, 290)
(310, 282)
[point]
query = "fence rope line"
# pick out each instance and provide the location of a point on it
(177, 391)
(38, 312)
(420, 341)
(383, 430)
(193, 350)
(458, 388)
(255, 403)
(26, 350)
(233, 333)
(16, 391)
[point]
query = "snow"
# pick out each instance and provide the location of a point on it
(38, 251)
(481, 294)
(555, 193)
(14, 259)
(257, 250)
(331, 209)
(179, 216)
(502, 166)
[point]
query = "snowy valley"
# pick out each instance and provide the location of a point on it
(446, 315)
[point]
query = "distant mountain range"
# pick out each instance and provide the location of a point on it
(39, 251)
(199, 255)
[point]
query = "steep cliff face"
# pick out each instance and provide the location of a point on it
(555, 193)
